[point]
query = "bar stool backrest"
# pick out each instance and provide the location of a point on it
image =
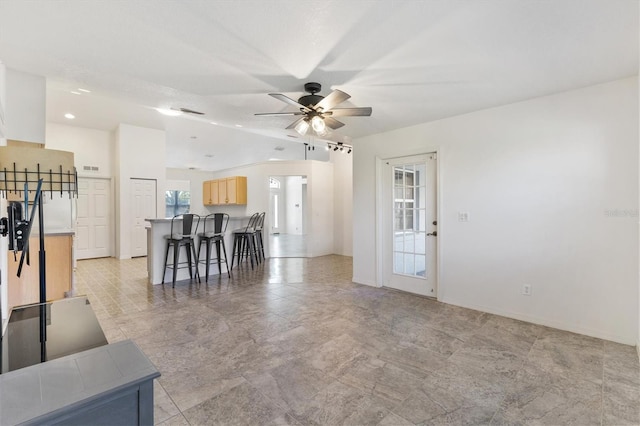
(187, 225)
(253, 221)
(220, 222)
(260, 223)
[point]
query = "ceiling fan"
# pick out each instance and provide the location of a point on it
(317, 111)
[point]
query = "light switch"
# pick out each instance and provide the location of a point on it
(463, 216)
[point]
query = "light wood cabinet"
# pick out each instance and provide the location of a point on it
(26, 289)
(206, 193)
(231, 190)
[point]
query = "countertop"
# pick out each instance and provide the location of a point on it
(31, 394)
(168, 219)
(54, 233)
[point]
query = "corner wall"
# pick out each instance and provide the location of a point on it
(551, 186)
(139, 153)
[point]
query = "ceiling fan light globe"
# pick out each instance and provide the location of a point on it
(302, 127)
(318, 125)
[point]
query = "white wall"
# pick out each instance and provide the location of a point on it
(139, 153)
(25, 106)
(343, 203)
(91, 147)
(294, 205)
(551, 185)
(3, 102)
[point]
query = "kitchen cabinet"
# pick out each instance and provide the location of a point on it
(207, 199)
(231, 190)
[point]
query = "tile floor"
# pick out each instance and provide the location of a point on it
(287, 245)
(295, 342)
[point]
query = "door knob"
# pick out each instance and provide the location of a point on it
(435, 222)
(432, 234)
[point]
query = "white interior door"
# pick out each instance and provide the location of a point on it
(94, 228)
(409, 239)
(143, 206)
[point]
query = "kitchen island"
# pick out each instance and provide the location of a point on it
(156, 247)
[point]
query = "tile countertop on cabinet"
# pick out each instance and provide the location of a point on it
(156, 247)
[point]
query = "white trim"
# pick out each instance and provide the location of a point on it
(364, 281)
(560, 325)
(379, 224)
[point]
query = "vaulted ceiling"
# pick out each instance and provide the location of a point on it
(412, 61)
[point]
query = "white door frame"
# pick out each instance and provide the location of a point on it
(380, 223)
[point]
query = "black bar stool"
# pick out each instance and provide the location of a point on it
(259, 237)
(244, 242)
(185, 238)
(220, 222)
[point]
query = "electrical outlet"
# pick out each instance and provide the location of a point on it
(463, 216)
(526, 289)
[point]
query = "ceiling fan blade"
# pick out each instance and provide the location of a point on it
(332, 99)
(333, 123)
(273, 114)
(295, 123)
(342, 112)
(289, 101)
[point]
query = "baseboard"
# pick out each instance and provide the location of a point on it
(638, 349)
(544, 322)
(363, 281)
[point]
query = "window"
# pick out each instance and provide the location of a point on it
(177, 202)
(409, 213)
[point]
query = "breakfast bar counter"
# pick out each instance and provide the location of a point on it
(156, 246)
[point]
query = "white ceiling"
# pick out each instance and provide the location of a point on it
(412, 61)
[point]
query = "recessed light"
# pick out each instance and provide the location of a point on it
(193, 137)
(238, 125)
(169, 112)
(69, 116)
(76, 93)
(209, 155)
(279, 148)
(213, 122)
(84, 90)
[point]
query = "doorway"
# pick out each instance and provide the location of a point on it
(143, 206)
(94, 221)
(287, 218)
(409, 224)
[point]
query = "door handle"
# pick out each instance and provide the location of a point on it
(432, 234)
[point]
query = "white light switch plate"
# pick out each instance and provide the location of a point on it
(463, 216)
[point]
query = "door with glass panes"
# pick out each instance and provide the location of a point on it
(410, 223)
